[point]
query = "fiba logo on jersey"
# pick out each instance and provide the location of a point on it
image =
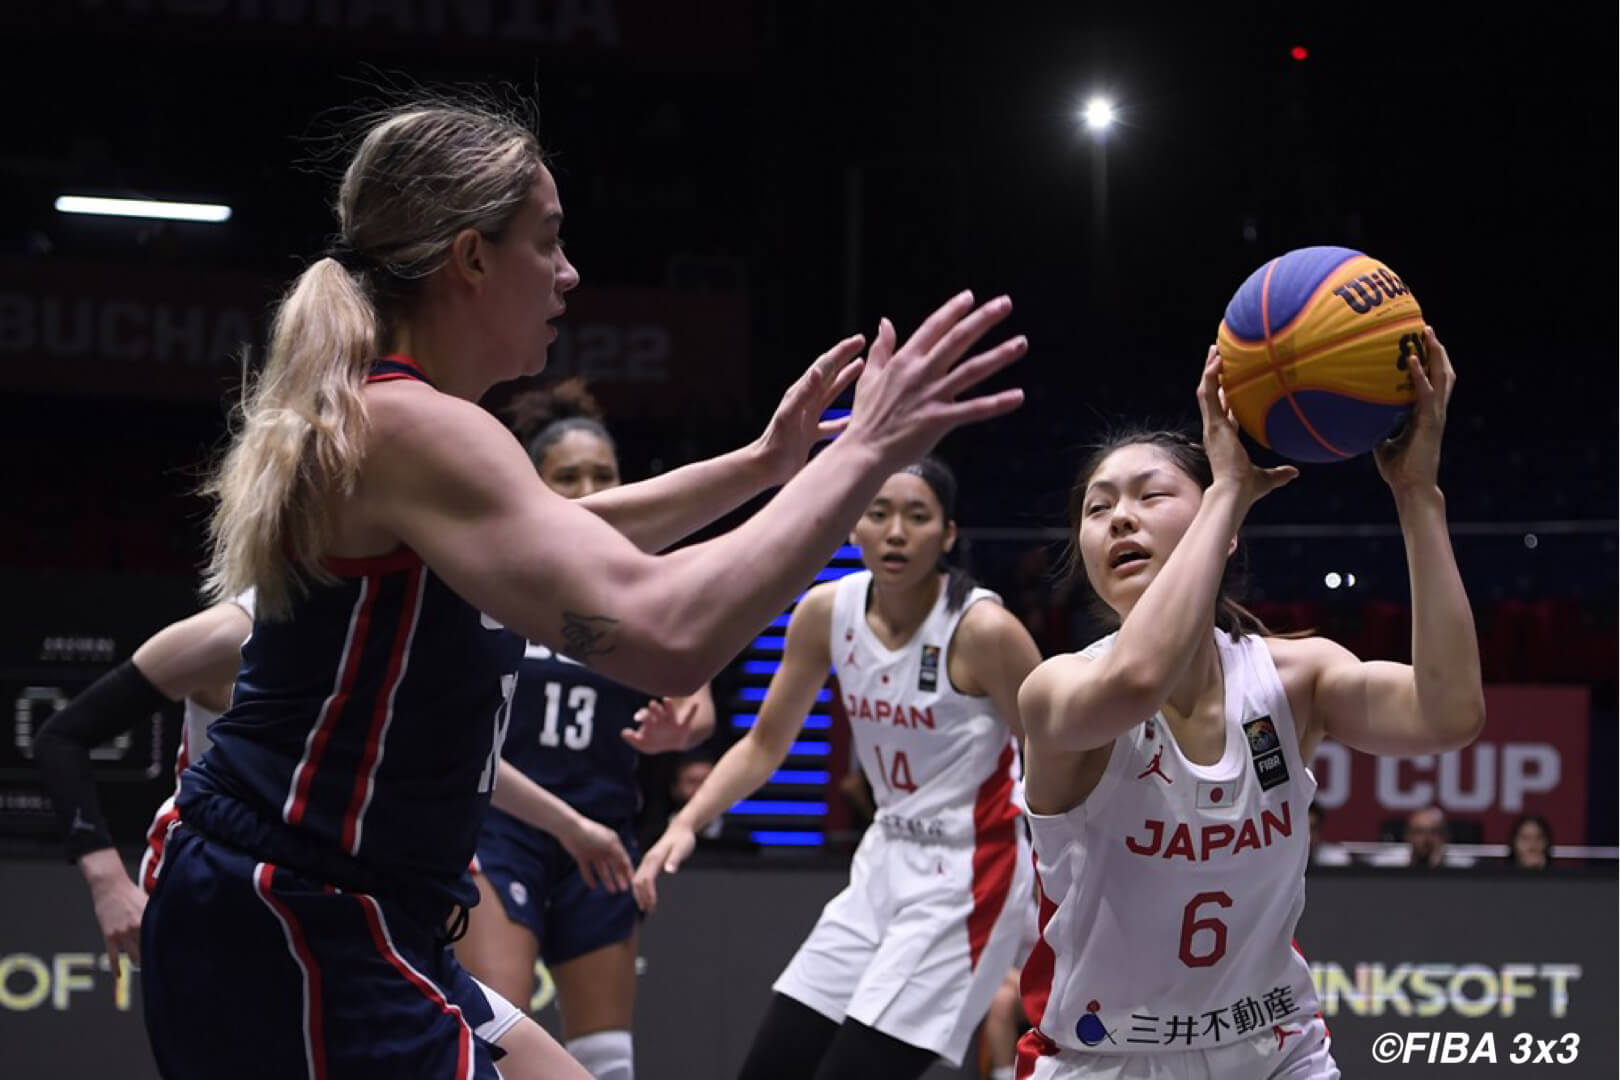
(1262, 735)
(1266, 748)
(928, 674)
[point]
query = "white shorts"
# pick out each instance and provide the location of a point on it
(917, 943)
(495, 1028)
(1301, 1051)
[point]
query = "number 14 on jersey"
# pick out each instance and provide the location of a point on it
(894, 770)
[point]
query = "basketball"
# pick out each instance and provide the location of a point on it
(1315, 347)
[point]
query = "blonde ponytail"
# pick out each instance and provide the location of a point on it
(300, 444)
(421, 174)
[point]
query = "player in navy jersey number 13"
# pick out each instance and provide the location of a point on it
(577, 734)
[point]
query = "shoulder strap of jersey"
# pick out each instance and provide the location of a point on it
(947, 621)
(396, 366)
(849, 602)
(1262, 692)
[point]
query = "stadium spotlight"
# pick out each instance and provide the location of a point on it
(143, 208)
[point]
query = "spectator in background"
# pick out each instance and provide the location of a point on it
(1426, 835)
(690, 772)
(1530, 843)
(1324, 854)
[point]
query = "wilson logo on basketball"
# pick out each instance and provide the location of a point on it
(1366, 292)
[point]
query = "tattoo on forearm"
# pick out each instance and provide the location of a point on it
(585, 636)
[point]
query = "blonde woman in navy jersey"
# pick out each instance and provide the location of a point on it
(195, 661)
(402, 548)
(1167, 784)
(902, 964)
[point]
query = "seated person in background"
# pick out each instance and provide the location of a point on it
(691, 770)
(1530, 843)
(1324, 853)
(1428, 835)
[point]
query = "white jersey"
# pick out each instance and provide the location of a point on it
(941, 764)
(1168, 897)
(194, 743)
(919, 941)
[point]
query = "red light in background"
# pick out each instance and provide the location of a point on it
(1299, 52)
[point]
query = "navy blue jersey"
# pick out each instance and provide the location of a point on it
(564, 736)
(365, 730)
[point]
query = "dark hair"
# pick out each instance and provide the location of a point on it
(541, 417)
(1186, 452)
(1520, 822)
(942, 482)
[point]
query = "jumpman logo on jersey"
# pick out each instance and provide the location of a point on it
(1282, 1033)
(79, 824)
(1153, 767)
(849, 661)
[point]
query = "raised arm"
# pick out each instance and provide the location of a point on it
(806, 660)
(446, 479)
(1072, 703)
(658, 512)
(1436, 703)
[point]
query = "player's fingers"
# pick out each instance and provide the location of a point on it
(643, 885)
(623, 869)
(974, 410)
(1422, 385)
(976, 369)
(933, 328)
(828, 428)
(882, 345)
(1279, 475)
(964, 334)
(845, 378)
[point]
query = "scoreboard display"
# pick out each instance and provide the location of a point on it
(60, 634)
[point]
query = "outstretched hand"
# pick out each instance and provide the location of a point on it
(796, 426)
(1228, 460)
(663, 725)
(906, 399)
(1411, 460)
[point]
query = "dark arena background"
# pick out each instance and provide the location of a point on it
(746, 183)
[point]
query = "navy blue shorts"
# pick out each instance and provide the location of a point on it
(540, 888)
(252, 970)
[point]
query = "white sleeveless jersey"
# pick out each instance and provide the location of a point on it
(194, 743)
(1168, 898)
(941, 764)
